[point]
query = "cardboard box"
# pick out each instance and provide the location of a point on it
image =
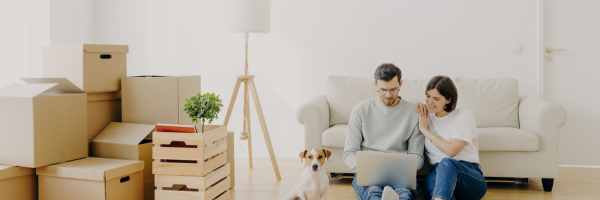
(103, 108)
(92, 67)
(92, 179)
(42, 124)
(17, 183)
(157, 99)
(126, 141)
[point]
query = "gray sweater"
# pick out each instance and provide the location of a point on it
(375, 127)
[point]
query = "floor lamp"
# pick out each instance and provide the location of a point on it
(249, 16)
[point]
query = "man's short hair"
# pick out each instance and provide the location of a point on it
(387, 72)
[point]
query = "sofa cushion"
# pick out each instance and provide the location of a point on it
(507, 139)
(345, 92)
(335, 137)
(494, 102)
(489, 139)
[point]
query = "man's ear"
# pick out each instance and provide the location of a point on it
(327, 153)
(303, 155)
(401, 81)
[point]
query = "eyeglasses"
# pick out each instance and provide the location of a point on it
(384, 91)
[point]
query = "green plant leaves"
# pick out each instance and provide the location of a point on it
(203, 106)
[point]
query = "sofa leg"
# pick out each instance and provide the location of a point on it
(547, 183)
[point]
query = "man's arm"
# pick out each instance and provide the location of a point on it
(416, 145)
(353, 138)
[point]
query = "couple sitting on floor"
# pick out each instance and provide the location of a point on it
(390, 124)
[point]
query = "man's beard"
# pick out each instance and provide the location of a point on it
(391, 103)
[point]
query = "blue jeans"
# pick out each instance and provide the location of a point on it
(375, 192)
(451, 179)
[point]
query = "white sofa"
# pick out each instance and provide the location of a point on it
(518, 136)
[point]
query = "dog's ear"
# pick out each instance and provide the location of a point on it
(303, 155)
(327, 153)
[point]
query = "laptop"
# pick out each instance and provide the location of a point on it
(386, 169)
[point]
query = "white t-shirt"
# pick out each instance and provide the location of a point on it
(459, 124)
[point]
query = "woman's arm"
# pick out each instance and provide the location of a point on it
(451, 148)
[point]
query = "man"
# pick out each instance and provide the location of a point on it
(386, 123)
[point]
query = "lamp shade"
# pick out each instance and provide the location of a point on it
(247, 16)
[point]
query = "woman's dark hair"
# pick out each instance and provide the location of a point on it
(387, 72)
(446, 88)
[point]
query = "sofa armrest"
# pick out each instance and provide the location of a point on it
(314, 115)
(544, 119)
(539, 116)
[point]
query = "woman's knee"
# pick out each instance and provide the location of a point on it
(447, 162)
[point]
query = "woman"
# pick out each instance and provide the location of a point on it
(451, 144)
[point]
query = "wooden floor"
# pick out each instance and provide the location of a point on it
(260, 183)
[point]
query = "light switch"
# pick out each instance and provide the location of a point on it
(517, 49)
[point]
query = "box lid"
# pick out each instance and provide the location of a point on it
(94, 169)
(7, 171)
(124, 133)
(106, 48)
(63, 85)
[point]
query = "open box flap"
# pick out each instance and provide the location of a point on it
(124, 133)
(25, 90)
(64, 85)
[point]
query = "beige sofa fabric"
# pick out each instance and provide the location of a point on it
(335, 137)
(507, 139)
(345, 92)
(494, 102)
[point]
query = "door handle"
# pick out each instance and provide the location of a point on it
(550, 50)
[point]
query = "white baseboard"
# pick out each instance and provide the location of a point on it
(579, 166)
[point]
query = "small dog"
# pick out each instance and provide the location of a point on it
(314, 182)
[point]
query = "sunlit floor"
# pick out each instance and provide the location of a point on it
(260, 183)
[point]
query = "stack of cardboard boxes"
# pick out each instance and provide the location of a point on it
(47, 123)
(54, 123)
(192, 165)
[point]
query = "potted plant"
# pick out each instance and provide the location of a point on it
(203, 106)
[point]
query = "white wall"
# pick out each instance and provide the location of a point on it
(15, 37)
(311, 40)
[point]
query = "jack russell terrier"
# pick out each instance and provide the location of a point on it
(313, 181)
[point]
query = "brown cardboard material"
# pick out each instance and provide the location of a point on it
(103, 108)
(92, 179)
(41, 125)
(157, 99)
(126, 141)
(91, 67)
(17, 183)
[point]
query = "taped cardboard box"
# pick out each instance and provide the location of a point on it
(103, 108)
(92, 179)
(126, 141)
(17, 183)
(42, 124)
(157, 99)
(92, 67)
